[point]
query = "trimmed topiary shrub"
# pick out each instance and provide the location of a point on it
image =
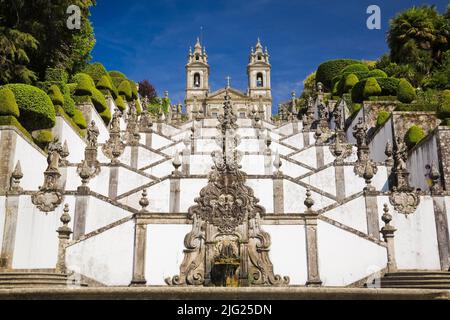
(443, 111)
(106, 116)
(8, 104)
(389, 86)
(377, 73)
(56, 75)
(96, 71)
(99, 101)
(358, 69)
(79, 119)
(358, 92)
(105, 84)
(120, 103)
(12, 121)
(69, 103)
(56, 96)
(350, 81)
(406, 93)
(42, 138)
(36, 108)
(355, 107)
(382, 117)
(85, 84)
(371, 88)
(134, 89)
(125, 90)
(414, 135)
(138, 106)
(330, 69)
(117, 74)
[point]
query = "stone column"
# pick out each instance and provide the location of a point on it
(134, 157)
(113, 181)
(174, 197)
(278, 189)
(306, 141)
(319, 155)
(373, 225)
(8, 147)
(148, 139)
(443, 239)
(268, 162)
(340, 181)
(312, 255)
(9, 233)
(64, 233)
(388, 234)
(443, 143)
(81, 207)
(140, 244)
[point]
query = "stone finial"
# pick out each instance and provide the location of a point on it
(318, 135)
(319, 87)
(187, 140)
(268, 139)
(368, 175)
(143, 202)
(277, 164)
(388, 230)
(176, 163)
(309, 202)
(64, 154)
(64, 231)
(84, 172)
(16, 176)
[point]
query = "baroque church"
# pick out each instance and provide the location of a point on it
(201, 102)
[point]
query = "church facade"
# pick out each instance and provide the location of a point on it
(200, 101)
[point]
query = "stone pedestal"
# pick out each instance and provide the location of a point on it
(312, 255)
(140, 242)
(9, 234)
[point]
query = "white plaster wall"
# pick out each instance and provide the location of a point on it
(294, 196)
(210, 122)
(263, 189)
(327, 156)
(307, 156)
(2, 217)
(206, 145)
(380, 180)
(352, 214)
(98, 259)
(36, 245)
(190, 189)
(415, 240)
(172, 150)
(295, 141)
(280, 148)
(200, 164)
(147, 157)
(250, 145)
(33, 164)
(425, 154)
(353, 183)
(288, 252)
(158, 195)
(350, 138)
(159, 141)
(164, 261)
(253, 164)
(209, 132)
(100, 183)
(129, 180)
(286, 130)
(161, 170)
(324, 180)
(101, 213)
(344, 257)
(243, 122)
(378, 144)
(291, 169)
(75, 143)
(126, 156)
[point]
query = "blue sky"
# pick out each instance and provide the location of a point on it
(149, 39)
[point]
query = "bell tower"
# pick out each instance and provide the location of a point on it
(259, 82)
(197, 76)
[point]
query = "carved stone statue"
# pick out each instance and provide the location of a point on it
(92, 135)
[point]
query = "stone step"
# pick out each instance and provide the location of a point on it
(411, 286)
(418, 273)
(413, 277)
(416, 279)
(33, 279)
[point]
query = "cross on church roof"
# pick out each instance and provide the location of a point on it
(228, 81)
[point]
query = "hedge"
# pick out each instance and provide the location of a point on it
(96, 71)
(56, 75)
(125, 90)
(414, 135)
(8, 104)
(358, 92)
(82, 99)
(350, 81)
(106, 116)
(138, 106)
(358, 69)
(56, 96)
(60, 111)
(117, 74)
(134, 89)
(36, 108)
(371, 88)
(105, 84)
(79, 119)
(43, 138)
(443, 111)
(389, 86)
(12, 121)
(382, 117)
(406, 93)
(355, 109)
(99, 101)
(120, 103)
(330, 69)
(85, 84)
(377, 73)
(69, 103)
(335, 88)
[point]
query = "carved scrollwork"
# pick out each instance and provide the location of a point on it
(404, 202)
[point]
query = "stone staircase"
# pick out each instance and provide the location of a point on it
(416, 280)
(34, 279)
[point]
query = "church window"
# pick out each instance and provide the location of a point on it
(197, 80)
(259, 57)
(197, 57)
(259, 80)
